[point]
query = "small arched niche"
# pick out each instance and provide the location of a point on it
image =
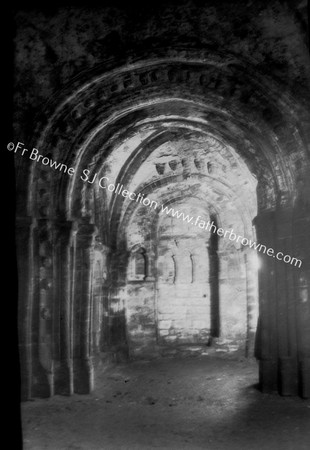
(137, 267)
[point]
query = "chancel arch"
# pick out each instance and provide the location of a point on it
(236, 149)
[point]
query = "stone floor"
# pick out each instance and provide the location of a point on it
(194, 401)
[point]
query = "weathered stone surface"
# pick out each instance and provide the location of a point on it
(202, 107)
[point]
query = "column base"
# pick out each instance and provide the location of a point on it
(64, 378)
(41, 386)
(83, 376)
(268, 376)
(288, 376)
(305, 378)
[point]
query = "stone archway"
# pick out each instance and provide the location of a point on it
(151, 104)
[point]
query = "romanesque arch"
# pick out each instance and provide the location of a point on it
(195, 123)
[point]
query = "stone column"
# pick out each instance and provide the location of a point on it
(286, 317)
(35, 370)
(62, 309)
(24, 254)
(301, 250)
(276, 346)
(104, 339)
(83, 363)
(117, 319)
(46, 299)
(251, 297)
(214, 281)
(266, 348)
